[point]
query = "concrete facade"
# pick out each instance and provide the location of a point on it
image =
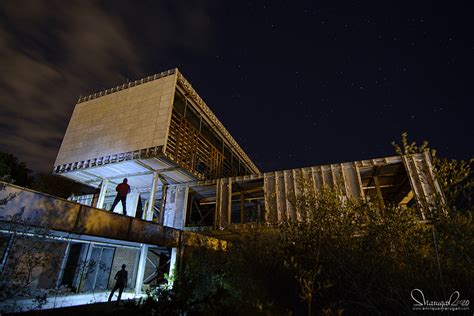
(126, 120)
(156, 126)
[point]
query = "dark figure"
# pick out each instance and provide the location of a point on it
(121, 277)
(122, 190)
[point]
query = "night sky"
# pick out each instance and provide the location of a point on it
(296, 83)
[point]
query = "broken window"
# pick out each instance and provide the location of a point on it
(157, 267)
(201, 206)
(98, 267)
(387, 184)
(73, 265)
(248, 201)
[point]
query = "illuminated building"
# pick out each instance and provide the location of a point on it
(190, 181)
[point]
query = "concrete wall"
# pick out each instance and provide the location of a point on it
(127, 120)
(30, 208)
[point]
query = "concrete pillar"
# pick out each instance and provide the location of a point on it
(141, 269)
(151, 201)
(63, 265)
(103, 192)
(173, 264)
(180, 208)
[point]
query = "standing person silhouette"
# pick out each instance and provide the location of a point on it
(120, 284)
(122, 190)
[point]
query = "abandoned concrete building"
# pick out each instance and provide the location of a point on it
(190, 182)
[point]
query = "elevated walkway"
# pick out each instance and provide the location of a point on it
(89, 247)
(29, 208)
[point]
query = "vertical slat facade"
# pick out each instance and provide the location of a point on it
(282, 188)
(269, 187)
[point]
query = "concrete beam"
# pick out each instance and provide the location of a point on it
(141, 269)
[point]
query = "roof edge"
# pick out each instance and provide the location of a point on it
(205, 108)
(127, 85)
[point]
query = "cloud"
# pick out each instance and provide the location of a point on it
(52, 52)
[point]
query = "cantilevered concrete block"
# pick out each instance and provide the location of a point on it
(118, 122)
(160, 124)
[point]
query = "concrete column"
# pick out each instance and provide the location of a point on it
(63, 265)
(229, 203)
(180, 208)
(173, 264)
(151, 201)
(141, 269)
(103, 192)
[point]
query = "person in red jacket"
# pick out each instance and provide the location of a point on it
(122, 190)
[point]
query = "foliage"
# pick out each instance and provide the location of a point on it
(33, 258)
(367, 256)
(453, 176)
(343, 257)
(30, 262)
(59, 186)
(196, 289)
(410, 148)
(14, 171)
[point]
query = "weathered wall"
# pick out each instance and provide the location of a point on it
(127, 120)
(41, 210)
